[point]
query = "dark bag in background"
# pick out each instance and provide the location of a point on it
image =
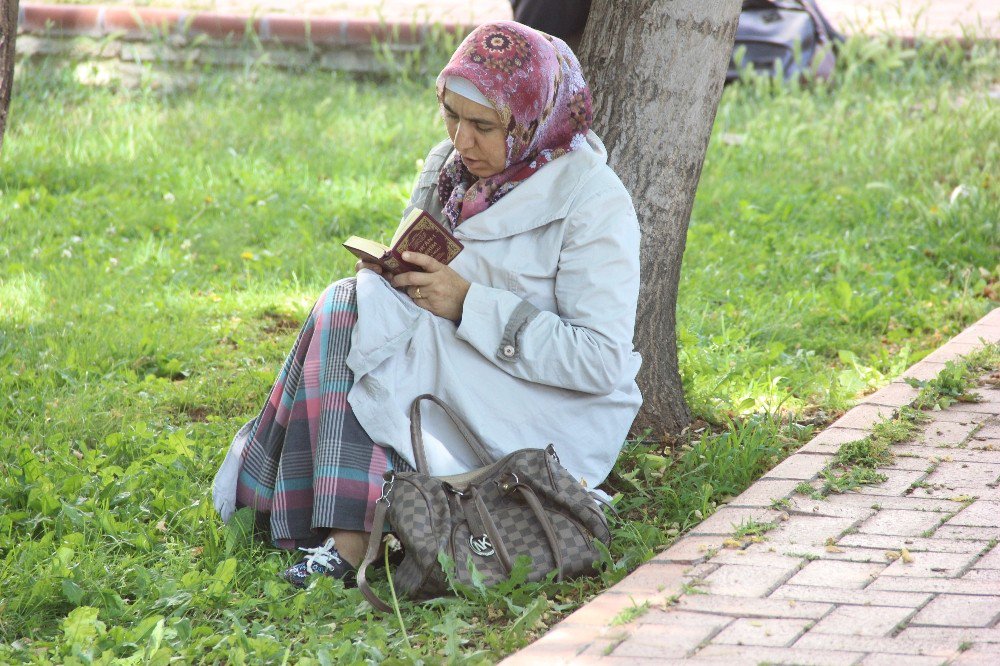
(526, 503)
(790, 32)
(561, 18)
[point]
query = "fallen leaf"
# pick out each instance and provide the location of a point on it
(891, 555)
(830, 548)
(905, 555)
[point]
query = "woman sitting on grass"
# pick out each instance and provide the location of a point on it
(527, 333)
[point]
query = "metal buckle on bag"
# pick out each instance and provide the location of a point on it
(390, 478)
(507, 486)
(452, 489)
(551, 450)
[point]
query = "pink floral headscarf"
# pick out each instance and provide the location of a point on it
(535, 83)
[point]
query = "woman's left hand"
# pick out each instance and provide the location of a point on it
(439, 290)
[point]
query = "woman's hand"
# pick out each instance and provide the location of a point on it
(364, 264)
(439, 290)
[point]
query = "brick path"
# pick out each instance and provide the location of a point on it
(828, 585)
(330, 19)
(937, 17)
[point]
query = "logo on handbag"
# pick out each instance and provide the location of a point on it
(481, 545)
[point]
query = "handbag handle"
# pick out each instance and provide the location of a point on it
(374, 541)
(531, 499)
(417, 435)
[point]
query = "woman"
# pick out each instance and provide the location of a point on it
(527, 333)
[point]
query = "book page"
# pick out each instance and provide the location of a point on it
(404, 225)
(362, 246)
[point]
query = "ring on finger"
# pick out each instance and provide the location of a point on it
(418, 294)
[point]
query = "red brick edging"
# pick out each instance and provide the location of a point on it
(145, 23)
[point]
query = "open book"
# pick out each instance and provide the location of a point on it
(418, 232)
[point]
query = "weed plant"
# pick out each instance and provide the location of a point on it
(158, 252)
(856, 463)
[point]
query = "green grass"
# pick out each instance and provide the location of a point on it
(753, 529)
(158, 252)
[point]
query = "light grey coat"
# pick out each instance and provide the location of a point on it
(543, 353)
(544, 349)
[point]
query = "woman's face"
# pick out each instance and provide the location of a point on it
(477, 132)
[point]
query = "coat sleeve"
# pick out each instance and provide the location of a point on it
(587, 344)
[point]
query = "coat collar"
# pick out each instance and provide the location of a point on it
(541, 198)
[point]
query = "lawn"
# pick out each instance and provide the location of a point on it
(159, 250)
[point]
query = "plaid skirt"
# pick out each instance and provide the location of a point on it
(308, 465)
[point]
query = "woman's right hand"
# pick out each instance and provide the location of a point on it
(364, 264)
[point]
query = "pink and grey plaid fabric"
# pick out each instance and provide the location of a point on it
(309, 466)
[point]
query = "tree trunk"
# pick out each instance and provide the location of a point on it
(8, 36)
(656, 69)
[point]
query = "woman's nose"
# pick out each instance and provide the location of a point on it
(463, 136)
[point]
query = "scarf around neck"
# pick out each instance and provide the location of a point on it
(535, 83)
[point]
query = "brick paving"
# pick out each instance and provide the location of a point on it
(937, 18)
(829, 584)
(336, 24)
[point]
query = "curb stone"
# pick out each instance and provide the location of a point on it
(121, 38)
(143, 23)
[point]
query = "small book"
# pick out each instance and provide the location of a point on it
(418, 232)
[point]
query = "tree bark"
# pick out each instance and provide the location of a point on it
(656, 69)
(8, 37)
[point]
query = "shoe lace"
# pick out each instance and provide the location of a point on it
(324, 555)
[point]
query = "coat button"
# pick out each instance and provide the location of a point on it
(508, 351)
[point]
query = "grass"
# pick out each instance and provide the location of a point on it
(631, 613)
(747, 532)
(159, 251)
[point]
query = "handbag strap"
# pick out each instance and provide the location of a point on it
(417, 435)
(550, 533)
(374, 541)
(477, 514)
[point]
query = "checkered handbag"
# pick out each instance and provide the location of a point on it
(524, 504)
